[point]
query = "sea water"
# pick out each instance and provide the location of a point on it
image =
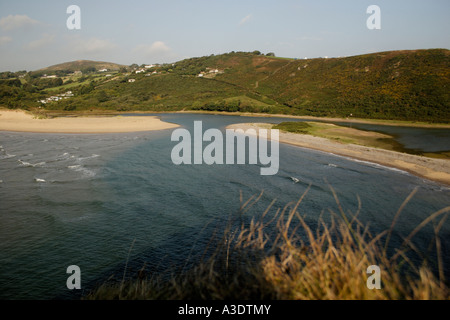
(100, 201)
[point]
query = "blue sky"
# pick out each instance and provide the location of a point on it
(33, 34)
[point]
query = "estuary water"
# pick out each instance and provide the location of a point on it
(100, 201)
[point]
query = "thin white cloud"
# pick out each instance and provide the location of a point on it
(91, 46)
(42, 42)
(157, 47)
(158, 51)
(245, 19)
(12, 22)
(5, 40)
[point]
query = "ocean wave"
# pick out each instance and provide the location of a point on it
(372, 164)
(64, 156)
(7, 156)
(87, 158)
(86, 172)
(39, 180)
(27, 164)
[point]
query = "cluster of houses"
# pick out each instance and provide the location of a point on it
(76, 73)
(58, 97)
(142, 70)
(145, 70)
(209, 72)
(53, 76)
(45, 76)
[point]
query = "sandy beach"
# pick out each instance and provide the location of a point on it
(25, 122)
(429, 168)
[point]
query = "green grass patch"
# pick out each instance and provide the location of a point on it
(342, 134)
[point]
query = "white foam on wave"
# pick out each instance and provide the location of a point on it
(39, 180)
(369, 163)
(27, 164)
(87, 158)
(86, 172)
(7, 156)
(373, 164)
(63, 156)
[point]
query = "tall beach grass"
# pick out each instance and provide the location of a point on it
(279, 256)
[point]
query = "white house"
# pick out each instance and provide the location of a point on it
(140, 71)
(131, 80)
(103, 70)
(150, 66)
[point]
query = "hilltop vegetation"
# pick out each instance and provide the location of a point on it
(398, 85)
(85, 66)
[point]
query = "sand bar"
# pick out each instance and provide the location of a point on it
(24, 122)
(429, 168)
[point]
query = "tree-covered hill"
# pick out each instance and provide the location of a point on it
(401, 85)
(81, 65)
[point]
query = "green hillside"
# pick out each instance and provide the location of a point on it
(410, 85)
(81, 65)
(399, 85)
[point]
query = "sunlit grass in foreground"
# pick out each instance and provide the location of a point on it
(283, 258)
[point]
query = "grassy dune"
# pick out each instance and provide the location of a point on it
(268, 259)
(341, 134)
(353, 136)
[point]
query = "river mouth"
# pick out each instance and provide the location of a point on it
(85, 199)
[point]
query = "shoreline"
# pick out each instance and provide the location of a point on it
(21, 121)
(437, 170)
(399, 123)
